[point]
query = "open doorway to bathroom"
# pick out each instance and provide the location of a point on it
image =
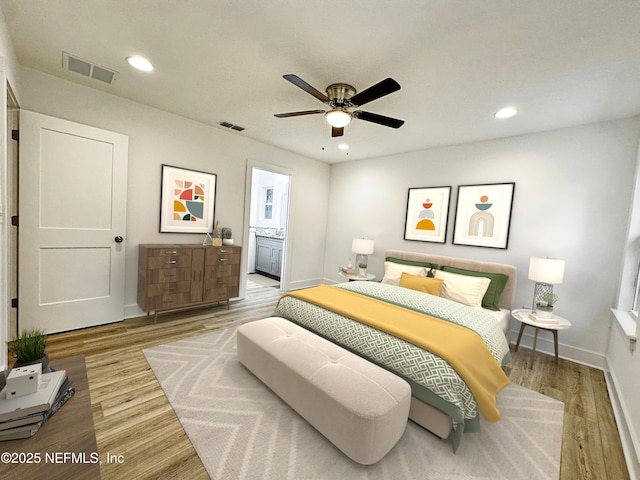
(268, 223)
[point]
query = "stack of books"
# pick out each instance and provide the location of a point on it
(348, 270)
(22, 416)
(543, 320)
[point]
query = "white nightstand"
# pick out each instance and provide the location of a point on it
(522, 315)
(355, 277)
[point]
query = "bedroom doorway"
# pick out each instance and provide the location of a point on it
(268, 226)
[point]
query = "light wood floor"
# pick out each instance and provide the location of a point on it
(134, 419)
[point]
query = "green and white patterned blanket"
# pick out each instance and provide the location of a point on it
(432, 379)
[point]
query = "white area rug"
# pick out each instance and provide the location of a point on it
(242, 430)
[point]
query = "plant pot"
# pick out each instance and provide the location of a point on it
(362, 272)
(44, 361)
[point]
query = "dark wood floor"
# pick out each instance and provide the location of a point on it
(134, 419)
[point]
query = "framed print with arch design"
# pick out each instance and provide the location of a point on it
(427, 214)
(187, 200)
(483, 215)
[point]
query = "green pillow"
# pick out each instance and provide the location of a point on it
(492, 295)
(413, 263)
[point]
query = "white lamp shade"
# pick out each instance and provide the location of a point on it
(546, 270)
(362, 246)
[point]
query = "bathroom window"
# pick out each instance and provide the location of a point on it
(268, 203)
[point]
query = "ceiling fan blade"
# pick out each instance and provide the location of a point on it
(298, 82)
(337, 131)
(297, 114)
(380, 89)
(379, 119)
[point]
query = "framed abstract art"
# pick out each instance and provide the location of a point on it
(427, 214)
(187, 200)
(483, 215)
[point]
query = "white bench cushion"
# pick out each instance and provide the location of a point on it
(360, 407)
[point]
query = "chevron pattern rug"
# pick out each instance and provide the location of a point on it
(242, 430)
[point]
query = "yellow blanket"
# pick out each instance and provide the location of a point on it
(462, 348)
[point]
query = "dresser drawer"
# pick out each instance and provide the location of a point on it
(169, 261)
(169, 252)
(220, 259)
(155, 289)
(167, 300)
(166, 275)
(216, 289)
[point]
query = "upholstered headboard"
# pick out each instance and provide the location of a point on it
(508, 294)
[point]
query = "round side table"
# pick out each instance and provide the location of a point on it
(522, 315)
(355, 277)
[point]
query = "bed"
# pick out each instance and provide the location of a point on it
(442, 401)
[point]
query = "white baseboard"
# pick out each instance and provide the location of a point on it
(312, 282)
(133, 310)
(629, 439)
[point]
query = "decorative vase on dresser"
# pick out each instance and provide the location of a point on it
(174, 276)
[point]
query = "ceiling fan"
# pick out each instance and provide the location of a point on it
(341, 97)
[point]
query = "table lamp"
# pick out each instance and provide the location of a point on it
(361, 247)
(545, 272)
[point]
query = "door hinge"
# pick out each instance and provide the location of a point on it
(14, 303)
(15, 135)
(14, 220)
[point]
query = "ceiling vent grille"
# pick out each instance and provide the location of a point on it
(88, 69)
(224, 124)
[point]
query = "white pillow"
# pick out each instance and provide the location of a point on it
(393, 272)
(463, 288)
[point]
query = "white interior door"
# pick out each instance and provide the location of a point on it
(73, 185)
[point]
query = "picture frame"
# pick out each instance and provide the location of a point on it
(187, 200)
(427, 214)
(483, 215)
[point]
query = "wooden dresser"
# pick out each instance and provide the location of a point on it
(173, 276)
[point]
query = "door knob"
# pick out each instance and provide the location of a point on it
(118, 239)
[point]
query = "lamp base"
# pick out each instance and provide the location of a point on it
(361, 259)
(540, 291)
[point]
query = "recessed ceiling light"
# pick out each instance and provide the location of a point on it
(506, 112)
(140, 63)
(343, 146)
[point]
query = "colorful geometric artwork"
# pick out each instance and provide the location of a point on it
(427, 214)
(482, 222)
(188, 200)
(483, 215)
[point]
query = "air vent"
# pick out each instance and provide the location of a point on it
(88, 69)
(224, 124)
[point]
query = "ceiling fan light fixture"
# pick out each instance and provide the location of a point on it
(338, 117)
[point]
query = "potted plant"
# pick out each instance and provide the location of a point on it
(29, 348)
(226, 236)
(362, 270)
(544, 305)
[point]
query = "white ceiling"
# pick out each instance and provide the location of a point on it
(559, 62)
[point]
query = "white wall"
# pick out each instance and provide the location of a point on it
(157, 137)
(280, 184)
(573, 189)
(623, 381)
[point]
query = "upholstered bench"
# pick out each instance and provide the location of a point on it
(358, 406)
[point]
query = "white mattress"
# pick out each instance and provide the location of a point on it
(504, 318)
